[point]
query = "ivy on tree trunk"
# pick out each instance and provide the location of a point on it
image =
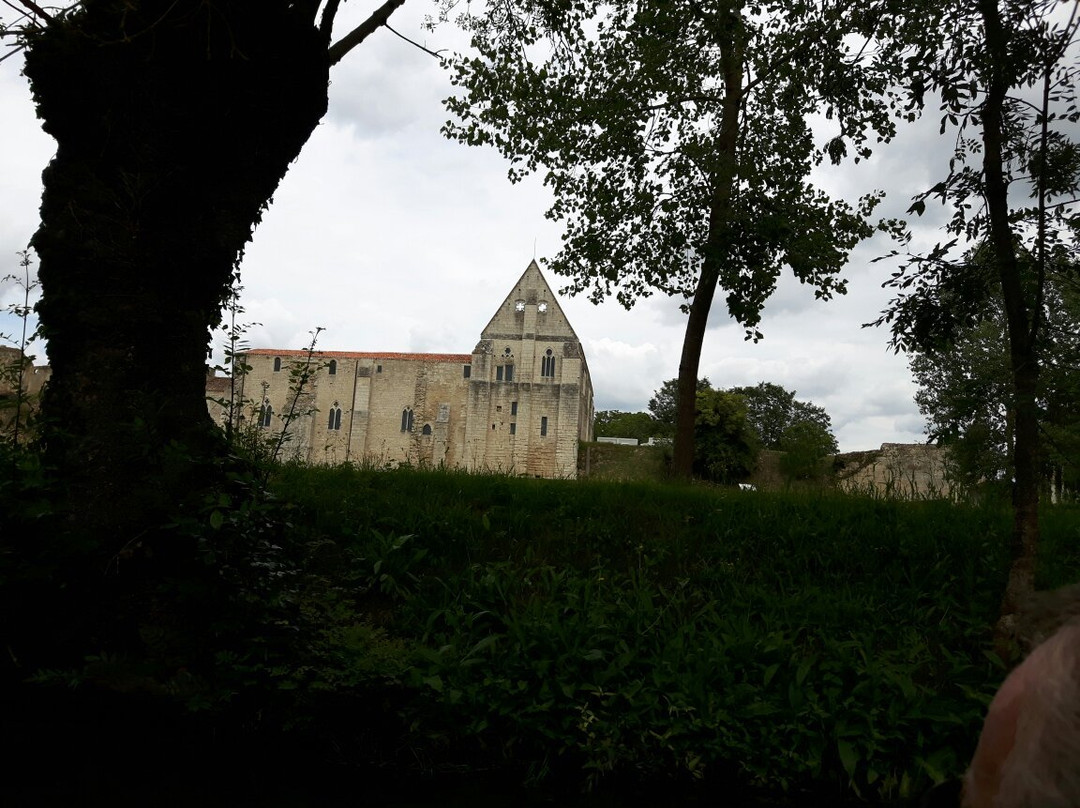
(175, 120)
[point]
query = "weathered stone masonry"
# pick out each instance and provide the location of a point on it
(519, 403)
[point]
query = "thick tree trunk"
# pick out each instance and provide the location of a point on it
(1021, 318)
(175, 120)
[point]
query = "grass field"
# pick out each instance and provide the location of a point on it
(608, 630)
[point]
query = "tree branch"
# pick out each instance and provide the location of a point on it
(34, 8)
(326, 24)
(369, 26)
(436, 54)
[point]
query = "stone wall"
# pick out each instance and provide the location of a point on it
(905, 470)
(34, 378)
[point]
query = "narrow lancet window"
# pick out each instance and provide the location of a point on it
(547, 364)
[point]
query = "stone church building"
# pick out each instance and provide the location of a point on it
(519, 403)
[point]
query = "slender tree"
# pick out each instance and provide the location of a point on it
(1005, 74)
(675, 139)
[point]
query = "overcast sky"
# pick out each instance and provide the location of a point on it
(394, 239)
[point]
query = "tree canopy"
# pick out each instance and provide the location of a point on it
(733, 425)
(664, 404)
(616, 424)
(675, 138)
(726, 449)
(772, 411)
(966, 391)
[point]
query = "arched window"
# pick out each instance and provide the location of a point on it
(332, 367)
(407, 420)
(426, 430)
(277, 364)
(266, 412)
(335, 417)
(547, 364)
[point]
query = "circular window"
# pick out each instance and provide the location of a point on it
(541, 307)
(519, 305)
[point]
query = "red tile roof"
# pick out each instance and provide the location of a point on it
(413, 357)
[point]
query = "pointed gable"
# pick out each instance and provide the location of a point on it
(532, 310)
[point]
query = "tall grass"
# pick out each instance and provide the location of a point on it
(790, 641)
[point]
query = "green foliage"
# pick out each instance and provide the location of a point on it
(805, 444)
(772, 410)
(616, 424)
(726, 447)
(965, 378)
(629, 121)
(794, 642)
(17, 406)
(733, 425)
(665, 402)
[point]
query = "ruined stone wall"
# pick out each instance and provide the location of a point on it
(905, 470)
(34, 376)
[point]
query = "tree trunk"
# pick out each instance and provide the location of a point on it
(175, 120)
(1021, 319)
(682, 464)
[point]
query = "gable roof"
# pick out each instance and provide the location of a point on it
(532, 289)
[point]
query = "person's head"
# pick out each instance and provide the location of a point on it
(1028, 755)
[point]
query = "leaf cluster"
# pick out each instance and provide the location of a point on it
(948, 58)
(965, 383)
(771, 412)
(626, 110)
